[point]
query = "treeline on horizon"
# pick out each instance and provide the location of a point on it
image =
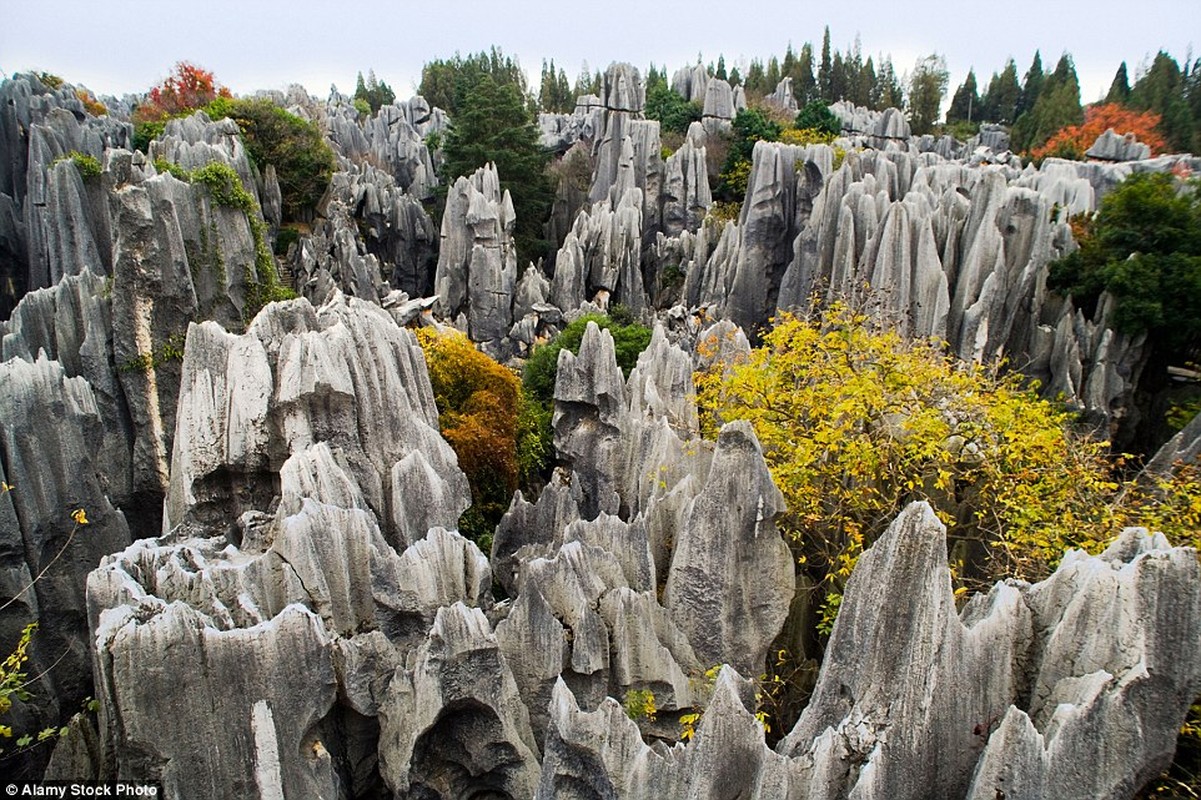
(1034, 104)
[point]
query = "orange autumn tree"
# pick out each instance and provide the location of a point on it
(479, 403)
(1072, 141)
(187, 88)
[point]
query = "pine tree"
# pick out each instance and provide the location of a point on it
(1000, 102)
(805, 85)
(888, 93)
(1057, 106)
(788, 67)
(772, 79)
(720, 72)
(1162, 90)
(1032, 86)
(493, 124)
(1119, 90)
(965, 102)
(823, 72)
(838, 78)
(756, 80)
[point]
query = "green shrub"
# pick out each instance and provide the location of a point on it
(303, 161)
(750, 125)
(538, 377)
(1144, 248)
(674, 113)
(817, 116)
(285, 239)
(88, 166)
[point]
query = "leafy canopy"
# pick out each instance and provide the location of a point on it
(1144, 248)
(674, 113)
(303, 161)
(374, 92)
(494, 124)
(816, 116)
(479, 404)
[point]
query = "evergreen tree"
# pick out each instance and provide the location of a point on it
(1192, 93)
(1032, 86)
(720, 72)
(823, 71)
(756, 80)
(375, 93)
(735, 78)
(927, 86)
(888, 92)
(1162, 90)
(445, 82)
(583, 82)
(1057, 106)
(655, 78)
(555, 93)
(772, 79)
(1000, 103)
(804, 86)
(493, 123)
(965, 105)
(788, 67)
(839, 82)
(1119, 90)
(865, 87)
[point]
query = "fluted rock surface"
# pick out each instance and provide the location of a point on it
(1111, 146)
(299, 376)
(743, 273)
(1014, 694)
(477, 263)
(454, 725)
(374, 234)
(686, 195)
(1017, 654)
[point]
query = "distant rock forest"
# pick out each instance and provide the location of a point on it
(785, 433)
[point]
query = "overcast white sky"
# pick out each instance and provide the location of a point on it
(120, 47)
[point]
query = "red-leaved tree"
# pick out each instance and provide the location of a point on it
(187, 88)
(1073, 140)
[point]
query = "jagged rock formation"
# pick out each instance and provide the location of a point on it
(603, 252)
(132, 268)
(721, 105)
(1016, 692)
(52, 222)
(627, 150)
(393, 139)
(782, 97)
(961, 253)
(742, 275)
(371, 224)
(691, 83)
(875, 129)
(301, 376)
(477, 262)
(308, 623)
(1111, 146)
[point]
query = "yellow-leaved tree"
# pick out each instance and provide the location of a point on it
(856, 422)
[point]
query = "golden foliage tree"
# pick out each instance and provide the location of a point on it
(479, 403)
(856, 422)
